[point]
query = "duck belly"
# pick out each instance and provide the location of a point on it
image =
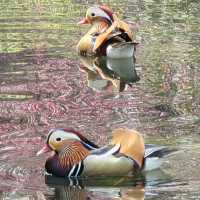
(120, 50)
(95, 165)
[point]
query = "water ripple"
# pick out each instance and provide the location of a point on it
(42, 86)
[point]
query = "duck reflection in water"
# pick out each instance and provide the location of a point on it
(101, 188)
(105, 73)
(117, 188)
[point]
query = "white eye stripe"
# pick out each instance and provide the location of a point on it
(99, 12)
(63, 135)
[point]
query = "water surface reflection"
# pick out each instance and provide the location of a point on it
(42, 87)
(103, 72)
(99, 188)
(77, 193)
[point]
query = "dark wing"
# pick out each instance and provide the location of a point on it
(152, 150)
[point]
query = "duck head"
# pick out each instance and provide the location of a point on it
(69, 149)
(57, 139)
(106, 28)
(97, 14)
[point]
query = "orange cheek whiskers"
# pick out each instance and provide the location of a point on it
(72, 154)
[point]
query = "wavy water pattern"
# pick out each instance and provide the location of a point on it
(44, 84)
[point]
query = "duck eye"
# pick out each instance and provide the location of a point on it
(92, 14)
(58, 139)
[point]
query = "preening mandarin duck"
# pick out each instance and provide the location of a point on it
(75, 155)
(108, 35)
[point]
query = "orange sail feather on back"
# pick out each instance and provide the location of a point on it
(132, 143)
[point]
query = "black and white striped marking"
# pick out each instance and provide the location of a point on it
(76, 170)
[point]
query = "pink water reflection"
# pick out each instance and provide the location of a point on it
(44, 93)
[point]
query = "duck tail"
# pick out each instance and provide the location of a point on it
(153, 156)
(131, 144)
(154, 151)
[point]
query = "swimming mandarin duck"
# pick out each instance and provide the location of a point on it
(108, 35)
(75, 155)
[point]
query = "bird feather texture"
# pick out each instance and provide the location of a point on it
(132, 144)
(73, 153)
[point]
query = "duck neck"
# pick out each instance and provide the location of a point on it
(99, 26)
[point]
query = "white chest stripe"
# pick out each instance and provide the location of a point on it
(71, 171)
(79, 166)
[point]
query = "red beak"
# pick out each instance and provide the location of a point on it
(44, 149)
(83, 21)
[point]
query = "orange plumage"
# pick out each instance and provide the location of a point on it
(132, 143)
(105, 25)
(75, 155)
(72, 153)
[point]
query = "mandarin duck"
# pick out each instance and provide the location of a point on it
(108, 35)
(74, 155)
